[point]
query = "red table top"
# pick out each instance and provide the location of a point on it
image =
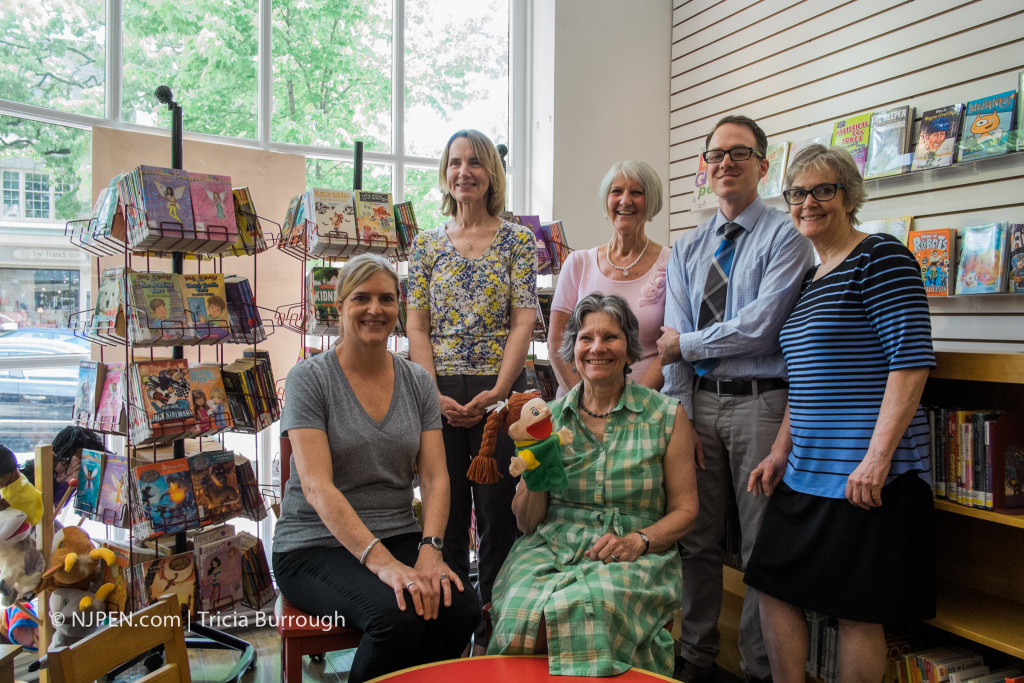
(503, 668)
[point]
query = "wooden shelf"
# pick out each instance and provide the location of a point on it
(978, 513)
(989, 620)
(980, 367)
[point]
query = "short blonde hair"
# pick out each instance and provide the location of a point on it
(484, 150)
(359, 270)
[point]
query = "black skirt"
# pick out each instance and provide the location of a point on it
(831, 557)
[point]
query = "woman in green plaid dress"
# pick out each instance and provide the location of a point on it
(598, 568)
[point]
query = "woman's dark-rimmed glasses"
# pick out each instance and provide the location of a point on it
(821, 193)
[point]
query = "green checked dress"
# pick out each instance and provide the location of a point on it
(601, 618)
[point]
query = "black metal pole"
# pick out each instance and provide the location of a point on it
(357, 177)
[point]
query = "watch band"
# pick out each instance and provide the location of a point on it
(435, 542)
(647, 541)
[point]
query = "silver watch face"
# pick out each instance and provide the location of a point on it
(435, 542)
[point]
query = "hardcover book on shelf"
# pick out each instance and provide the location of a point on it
(703, 197)
(110, 413)
(213, 210)
(113, 496)
(375, 220)
(174, 574)
(889, 142)
(209, 400)
(852, 133)
(335, 232)
(937, 141)
(90, 476)
(1005, 439)
(1015, 276)
(215, 485)
(897, 226)
(166, 496)
(91, 374)
(777, 155)
(935, 251)
(220, 572)
(982, 263)
(988, 123)
(207, 304)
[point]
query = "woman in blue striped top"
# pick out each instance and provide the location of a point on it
(848, 528)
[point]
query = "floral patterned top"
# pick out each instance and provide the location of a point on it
(471, 300)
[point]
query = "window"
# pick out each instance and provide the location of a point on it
(12, 194)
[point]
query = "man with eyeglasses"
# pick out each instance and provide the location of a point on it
(732, 282)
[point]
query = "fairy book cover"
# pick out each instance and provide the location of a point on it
(207, 304)
(375, 220)
(1015, 278)
(215, 485)
(109, 417)
(209, 401)
(113, 497)
(982, 264)
(213, 206)
(219, 564)
(988, 123)
(174, 574)
(937, 141)
(935, 252)
(165, 494)
(852, 133)
(334, 213)
(90, 476)
(888, 142)
(168, 201)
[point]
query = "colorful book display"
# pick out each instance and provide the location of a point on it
(982, 266)
(1015, 278)
(852, 133)
(988, 123)
(935, 251)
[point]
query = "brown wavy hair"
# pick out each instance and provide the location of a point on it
(484, 468)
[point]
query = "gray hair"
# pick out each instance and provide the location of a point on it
(615, 306)
(639, 172)
(837, 160)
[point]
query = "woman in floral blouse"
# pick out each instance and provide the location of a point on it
(471, 307)
(630, 264)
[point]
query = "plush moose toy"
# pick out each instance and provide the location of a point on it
(527, 419)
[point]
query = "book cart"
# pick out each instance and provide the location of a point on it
(979, 552)
(199, 334)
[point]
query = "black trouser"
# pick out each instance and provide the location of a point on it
(495, 523)
(329, 581)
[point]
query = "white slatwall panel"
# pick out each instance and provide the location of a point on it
(798, 65)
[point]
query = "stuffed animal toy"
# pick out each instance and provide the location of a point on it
(19, 628)
(16, 490)
(80, 614)
(74, 562)
(21, 565)
(527, 419)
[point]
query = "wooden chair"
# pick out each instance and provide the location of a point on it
(300, 633)
(105, 650)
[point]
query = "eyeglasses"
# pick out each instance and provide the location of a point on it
(716, 156)
(821, 193)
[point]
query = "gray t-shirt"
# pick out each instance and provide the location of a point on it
(372, 462)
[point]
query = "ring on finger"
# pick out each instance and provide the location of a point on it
(613, 558)
(411, 583)
(444, 577)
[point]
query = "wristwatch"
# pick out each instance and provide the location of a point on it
(435, 542)
(647, 541)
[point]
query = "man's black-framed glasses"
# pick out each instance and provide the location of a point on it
(821, 193)
(716, 156)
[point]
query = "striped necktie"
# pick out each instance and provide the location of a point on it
(716, 287)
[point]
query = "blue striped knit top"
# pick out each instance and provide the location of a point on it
(848, 331)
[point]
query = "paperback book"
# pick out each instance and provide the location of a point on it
(335, 232)
(988, 123)
(113, 497)
(1015, 278)
(207, 304)
(935, 251)
(770, 185)
(215, 485)
(898, 226)
(532, 223)
(90, 476)
(110, 414)
(889, 142)
(375, 220)
(167, 498)
(703, 197)
(405, 223)
(982, 267)
(164, 392)
(167, 207)
(937, 142)
(852, 133)
(157, 310)
(91, 375)
(209, 400)
(323, 283)
(220, 572)
(174, 574)
(213, 209)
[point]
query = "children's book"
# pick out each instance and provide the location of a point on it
(104, 211)
(166, 497)
(1015, 277)
(543, 255)
(323, 282)
(1005, 440)
(207, 304)
(777, 155)
(113, 496)
(935, 251)
(852, 133)
(216, 485)
(91, 374)
(90, 476)
(405, 222)
(168, 207)
(982, 267)
(213, 207)
(889, 142)
(898, 226)
(109, 417)
(988, 123)
(220, 572)
(250, 238)
(243, 314)
(175, 574)
(120, 573)
(334, 213)
(375, 220)
(558, 243)
(937, 141)
(158, 312)
(165, 396)
(703, 197)
(800, 145)
(108, 315)
(207, 388)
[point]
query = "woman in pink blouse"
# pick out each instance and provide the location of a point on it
(630, 264)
